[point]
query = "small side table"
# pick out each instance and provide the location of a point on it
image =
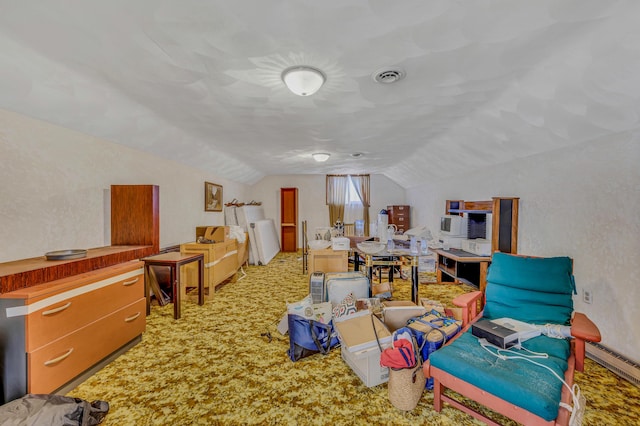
(174, 261)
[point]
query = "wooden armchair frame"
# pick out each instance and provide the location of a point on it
(582, 330)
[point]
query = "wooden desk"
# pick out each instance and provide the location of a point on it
(174, 261)
(460, 266)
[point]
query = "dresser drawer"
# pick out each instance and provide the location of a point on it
(55, 364)
(85, 305)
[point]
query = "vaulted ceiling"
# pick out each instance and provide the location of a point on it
(199, 82)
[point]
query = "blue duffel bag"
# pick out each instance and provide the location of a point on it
(308, 337)
(432, 331)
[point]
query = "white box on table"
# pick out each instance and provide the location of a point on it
(340, 243)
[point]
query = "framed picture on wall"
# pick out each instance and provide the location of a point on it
(212, 197)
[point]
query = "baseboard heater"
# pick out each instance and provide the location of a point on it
(614, 362)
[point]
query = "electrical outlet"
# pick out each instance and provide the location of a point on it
(586, 296)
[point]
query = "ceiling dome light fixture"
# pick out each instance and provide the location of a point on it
(321, 157)
(303, 80)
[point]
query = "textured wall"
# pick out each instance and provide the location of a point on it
(581, 203)
(54, 191)
(311, 197)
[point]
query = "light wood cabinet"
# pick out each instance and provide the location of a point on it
(221, 261)
(328, 260)
(56, 331)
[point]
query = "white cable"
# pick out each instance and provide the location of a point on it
(557, 331)
(579, 401)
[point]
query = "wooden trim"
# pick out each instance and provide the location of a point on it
(29, 272)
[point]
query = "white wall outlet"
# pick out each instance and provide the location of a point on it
(587, 296)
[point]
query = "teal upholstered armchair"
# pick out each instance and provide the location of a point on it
(534, 290)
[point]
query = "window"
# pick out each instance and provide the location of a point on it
(353, 207)
(348, 198)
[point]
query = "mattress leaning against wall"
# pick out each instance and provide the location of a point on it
(263, 236)
(230, 218)
(266, 238)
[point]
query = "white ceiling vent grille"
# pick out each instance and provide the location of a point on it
(388, 76)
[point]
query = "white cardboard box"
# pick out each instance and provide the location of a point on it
(356, 332)
(340, 243)
(366, 365)
(397, 313)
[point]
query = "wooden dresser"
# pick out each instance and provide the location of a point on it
(55, 331)
(62, 320)
(400, 216)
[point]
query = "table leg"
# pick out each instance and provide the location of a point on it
(415, 279)
(200, 282)
(369, 264)
(175, 279)
(356, 261)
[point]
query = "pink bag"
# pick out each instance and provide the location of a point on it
(401, 355)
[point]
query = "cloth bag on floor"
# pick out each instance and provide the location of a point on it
(406, 384)
(310, 329)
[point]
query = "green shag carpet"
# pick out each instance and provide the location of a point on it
(225, 363)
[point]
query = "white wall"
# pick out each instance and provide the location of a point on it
(582, 203)
(311, 198)
(55, 189)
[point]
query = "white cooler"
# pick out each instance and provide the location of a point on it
(340, 284)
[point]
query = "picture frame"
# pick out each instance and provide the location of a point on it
(212, 197)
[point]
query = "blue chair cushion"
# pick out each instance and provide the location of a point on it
(533, 290)
(517, 381)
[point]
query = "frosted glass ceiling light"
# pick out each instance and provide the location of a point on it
(321, 156)
(303, 80)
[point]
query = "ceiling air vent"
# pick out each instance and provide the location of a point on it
(388, 76)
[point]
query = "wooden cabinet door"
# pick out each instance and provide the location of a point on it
(135, 217)
(289, 219)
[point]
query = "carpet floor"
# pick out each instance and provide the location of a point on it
(225, 363)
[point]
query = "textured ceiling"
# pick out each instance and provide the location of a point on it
(199, 81)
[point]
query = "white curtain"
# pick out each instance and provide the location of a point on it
(361, 183)
(348, 198)
(336, 195)
(353, 211)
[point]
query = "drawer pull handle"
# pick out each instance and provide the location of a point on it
(60, 358)
(135, 280)
(56, 310)
(132, 317)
